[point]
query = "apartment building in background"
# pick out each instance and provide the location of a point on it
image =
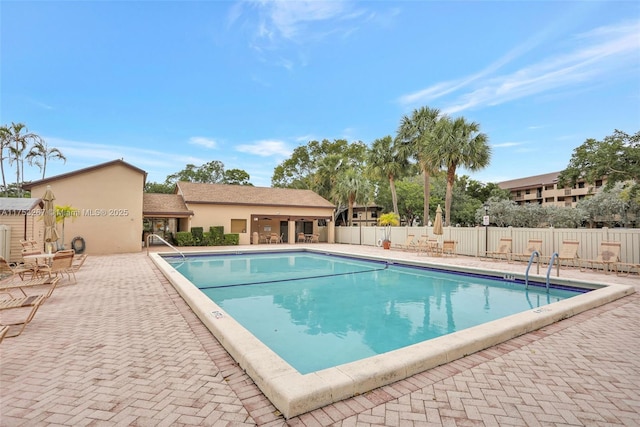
(544, 190)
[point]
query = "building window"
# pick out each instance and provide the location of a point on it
(548, 187)
(599, 183)
(518, 193)
(527, 191)
(238, 225)
(581, 185)
(549, 200)
(374, 214)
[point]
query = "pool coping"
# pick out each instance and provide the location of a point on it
(294, 393)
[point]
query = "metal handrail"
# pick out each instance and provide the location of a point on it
(553, 257)
(163, 241)
(526, 274)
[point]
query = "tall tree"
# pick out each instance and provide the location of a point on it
(310, 165)
(211, 172)
(385, 161)
(351, 186)
(236, 177)
(5, 142)
(616, 158)
(417, 138)
(40, 152)
(17, 143)
(460, 144)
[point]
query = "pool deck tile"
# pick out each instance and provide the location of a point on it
(121, 347)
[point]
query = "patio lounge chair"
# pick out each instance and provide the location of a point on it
(449, 247)
(503, 251)
(61, 264)
(608, 257)
(532, 245)
(302, 238)
(50, 282)
(9, 270)
(29, 244)
(626, 268)
(407, 243)
(31, 302)
(430, 246)
(568, 253)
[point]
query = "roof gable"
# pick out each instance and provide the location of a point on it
(248, 195)
(32, 184)
(164, 205)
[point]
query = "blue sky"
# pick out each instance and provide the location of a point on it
(166, 83)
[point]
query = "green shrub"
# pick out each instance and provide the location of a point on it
(184, 238)
(198, 235)
(231, 239)
(216, 234)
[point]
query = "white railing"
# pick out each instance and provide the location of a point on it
(474, 241)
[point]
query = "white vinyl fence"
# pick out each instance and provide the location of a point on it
(474, 241)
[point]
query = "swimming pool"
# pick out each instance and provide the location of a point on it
(294, 393)
(318, 311)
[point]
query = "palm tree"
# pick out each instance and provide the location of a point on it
(5, 142)
(326, 172)
(461, 144)
(417, 138)
(386, 162)
(351, 186)
(40, 149)
(17, 143)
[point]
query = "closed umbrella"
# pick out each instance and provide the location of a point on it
(50, 232)
(437, 225)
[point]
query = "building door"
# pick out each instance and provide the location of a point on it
(284, 231)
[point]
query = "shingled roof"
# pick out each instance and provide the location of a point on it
(18, 205)
(154, 204)
(222, 194)
(531, 181)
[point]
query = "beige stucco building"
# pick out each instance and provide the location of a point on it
(254, 213)
(544, 190)
(107, 203)
(112, 214)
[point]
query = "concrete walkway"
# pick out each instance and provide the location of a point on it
(120, 347)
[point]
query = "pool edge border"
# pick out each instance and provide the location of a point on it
(293, 393)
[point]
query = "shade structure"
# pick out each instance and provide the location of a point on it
(50, 232)
(437, 224)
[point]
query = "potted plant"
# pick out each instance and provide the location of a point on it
(386, 221)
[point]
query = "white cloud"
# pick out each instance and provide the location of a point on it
(599, 53)
(275, 25)
(265, 148)
(202, 141)
(506, 144)
(93, 153)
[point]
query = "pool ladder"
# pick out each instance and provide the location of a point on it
(163, 241)
(536, 254)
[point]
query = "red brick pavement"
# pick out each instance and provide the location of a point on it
(122, 348)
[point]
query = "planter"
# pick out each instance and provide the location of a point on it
(386, 244)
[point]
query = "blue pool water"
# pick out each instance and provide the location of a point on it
(317, 311)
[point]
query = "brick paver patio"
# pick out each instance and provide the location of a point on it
(120, 347)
